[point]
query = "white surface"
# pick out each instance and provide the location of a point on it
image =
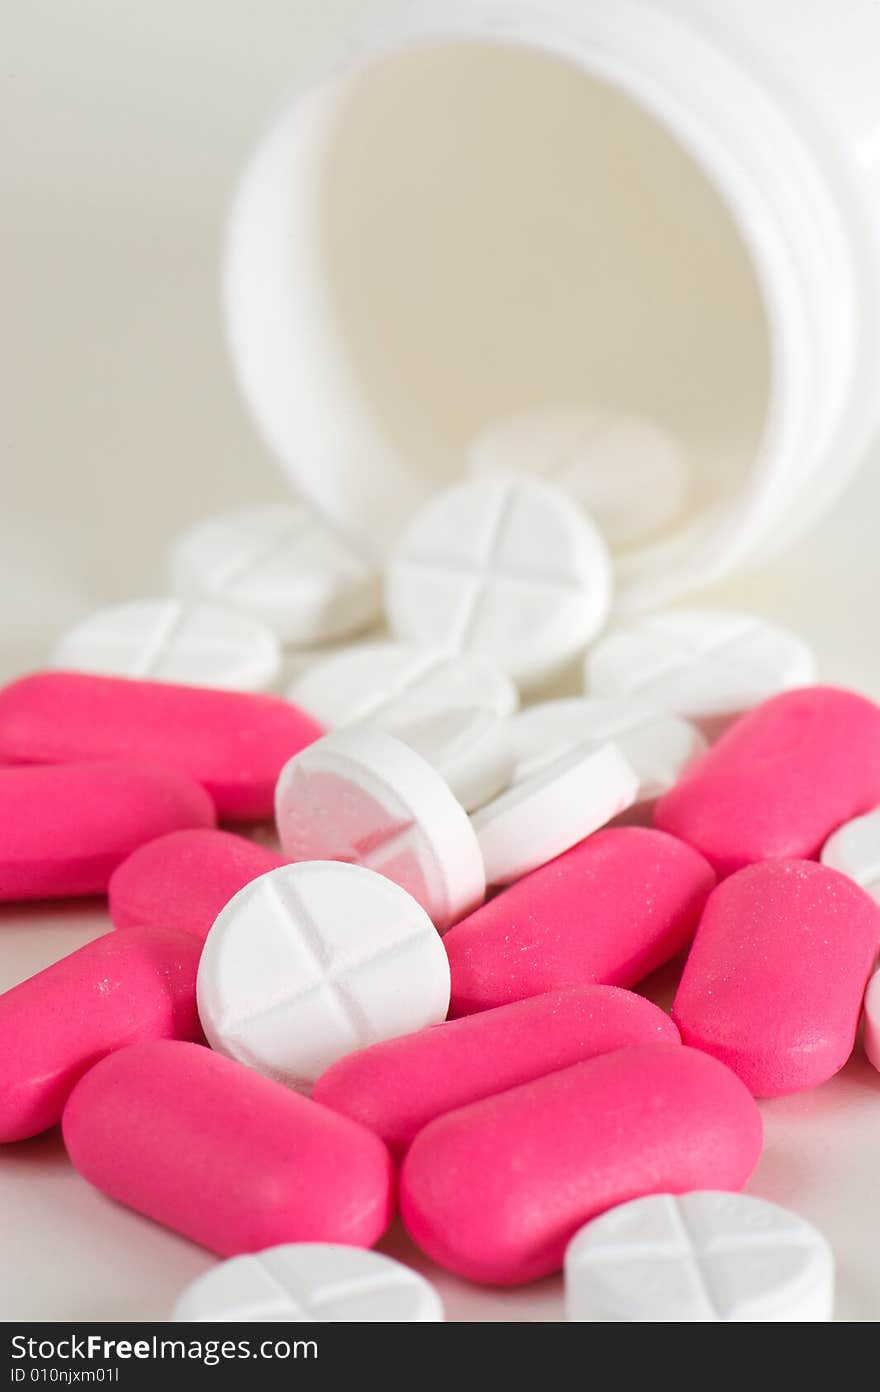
(546, 814)
(854, 850)
(121, 144)
(315, 1281)
(165, 640)
(506, 567)
(704, 1257)
(470, 747)
(391, 684)
(283, 564)
(363, 797)
(309, 962)
(705, 664)
(657, 745)
(627, 473)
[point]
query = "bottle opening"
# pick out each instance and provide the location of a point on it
(470, 231)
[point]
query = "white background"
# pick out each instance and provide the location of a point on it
(123, 126)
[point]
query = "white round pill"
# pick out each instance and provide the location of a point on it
(393, 684)
(471, 748)
(503, 566)
(539, 818)
(282, 563)
(854, 850)
(626, 471)
(708, 665)
(659, 746)
(699, 1258)
(173, 641)
(310, 1281)
(310, 962)
(364, 797)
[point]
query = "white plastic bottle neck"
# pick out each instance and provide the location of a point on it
(762, 212)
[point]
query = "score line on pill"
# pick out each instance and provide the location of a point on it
(366, 798)
(312, 961)
(174, 641)
(507, 567)
(283, 563)
(310, 1281)
(703, 1257)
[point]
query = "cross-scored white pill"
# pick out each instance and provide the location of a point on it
(169, 640)
(564, 802)
(504, 566)
(310, 1281)
(364, 797)
(393, 684)
(626, 471)
(282, 563)
(854, 850)
(708, 665)
(659, 746)
(699, 1258)
(471, 748)
(310, 962)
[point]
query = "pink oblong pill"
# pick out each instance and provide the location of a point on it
(227, 1157)
(125, 986)
(779, 780)
(400, 1085)
(496, 1190)
(64, 828)
(611, 910)
(183, 880)
(234, 743)
(774, 982)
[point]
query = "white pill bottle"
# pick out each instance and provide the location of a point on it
(662, 207)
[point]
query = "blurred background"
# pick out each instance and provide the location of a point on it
(124, 127)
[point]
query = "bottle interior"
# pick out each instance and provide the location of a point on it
(492, 229)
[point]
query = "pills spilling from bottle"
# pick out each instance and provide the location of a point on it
(385, 946)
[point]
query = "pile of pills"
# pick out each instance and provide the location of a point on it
(383, 901)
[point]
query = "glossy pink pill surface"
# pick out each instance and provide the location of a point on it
(779, 780)
(185, 879)
(610, 910)
(123, 987)
(234, 743)
(496, 1190)
(64, 828)
(774, 982)
(398, 1086)
(227, 1157)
